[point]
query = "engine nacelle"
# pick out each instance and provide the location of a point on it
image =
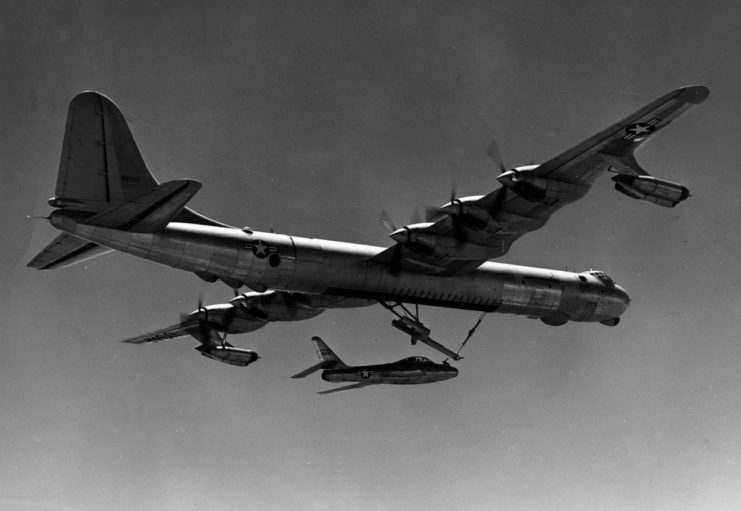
(414, 237)
(473, 217)
(523, 182)
(649, 188)
(229, 355)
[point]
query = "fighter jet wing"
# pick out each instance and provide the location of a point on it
(358, 385)
(476, 229)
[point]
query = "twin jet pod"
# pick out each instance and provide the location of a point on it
(107, 199)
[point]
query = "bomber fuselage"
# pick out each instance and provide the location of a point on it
(263, 261)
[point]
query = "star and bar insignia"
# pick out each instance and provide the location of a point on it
(260, 248)
(638, 130)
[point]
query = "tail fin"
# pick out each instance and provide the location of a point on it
(100, 164)
(328, 359)
(101, 170)
(326, 354)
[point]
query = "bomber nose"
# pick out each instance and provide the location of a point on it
(622, 295)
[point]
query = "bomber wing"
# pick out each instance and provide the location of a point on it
(205, 334)
(473, 230)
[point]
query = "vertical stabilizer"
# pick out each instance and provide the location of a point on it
(328, 359)
(100, 164)
(326, 354)
(103, 178)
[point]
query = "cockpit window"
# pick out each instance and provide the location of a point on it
(603, 277)
(418, 360)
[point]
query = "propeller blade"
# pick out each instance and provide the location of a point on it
(387, 222)
(493, 152)
(453, 191)
(415, 218)
(184, 317)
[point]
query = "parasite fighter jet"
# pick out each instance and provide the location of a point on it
(107, 199)
(408, 371)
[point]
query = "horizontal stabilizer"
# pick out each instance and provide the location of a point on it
(313, 369)
(66, 250)
(150, 212)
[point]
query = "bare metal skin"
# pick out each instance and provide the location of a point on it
(107, 199)
(316, 266)
(408, 371)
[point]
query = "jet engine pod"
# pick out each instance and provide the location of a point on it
(651, 189)
(229, 355)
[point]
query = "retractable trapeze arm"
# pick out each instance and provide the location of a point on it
(410, 324)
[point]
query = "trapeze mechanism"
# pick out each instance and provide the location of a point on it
(410, 324)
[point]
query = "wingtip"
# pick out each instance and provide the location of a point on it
(694, 94)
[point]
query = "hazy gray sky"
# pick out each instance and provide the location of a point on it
(310, 118)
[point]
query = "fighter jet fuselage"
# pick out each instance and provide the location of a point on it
(409, 371)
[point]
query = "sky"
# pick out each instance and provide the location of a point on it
(311, 118)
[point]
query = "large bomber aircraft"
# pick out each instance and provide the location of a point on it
(107, 199)
(408, 371)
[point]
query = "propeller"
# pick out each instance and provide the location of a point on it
(496, 155)
(415, 218)
(433, 213)
(454, 211)
(387, 222)
(204, 325)
(199, 309)
(397, 254)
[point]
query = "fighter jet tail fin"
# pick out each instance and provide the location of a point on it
(328, 359)
(326, 354)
